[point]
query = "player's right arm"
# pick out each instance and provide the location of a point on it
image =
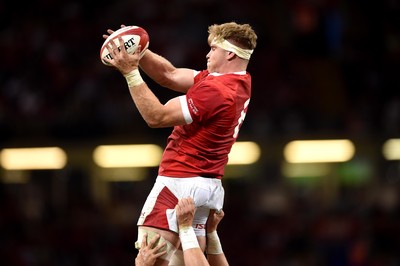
(164, 73)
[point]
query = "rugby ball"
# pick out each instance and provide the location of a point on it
(133, 36)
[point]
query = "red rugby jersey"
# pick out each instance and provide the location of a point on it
(217, 104)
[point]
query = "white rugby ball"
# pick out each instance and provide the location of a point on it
(133, 36)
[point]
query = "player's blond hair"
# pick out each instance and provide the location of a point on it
(241, 35)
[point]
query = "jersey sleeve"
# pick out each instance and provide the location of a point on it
(197, 76)
(206, 100)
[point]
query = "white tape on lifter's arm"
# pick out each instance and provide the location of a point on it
(214, 244)
(188, 238)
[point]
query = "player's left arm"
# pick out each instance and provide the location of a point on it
(165, 73)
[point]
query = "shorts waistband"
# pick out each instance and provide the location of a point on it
(203, 176)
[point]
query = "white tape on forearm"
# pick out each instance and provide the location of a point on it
(133, 78)
(213, 244)
(188, 238)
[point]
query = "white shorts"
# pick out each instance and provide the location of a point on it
(159, 209)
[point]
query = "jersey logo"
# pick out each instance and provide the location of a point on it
(192, 106)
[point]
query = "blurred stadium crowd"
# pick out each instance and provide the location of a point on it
(322, 69)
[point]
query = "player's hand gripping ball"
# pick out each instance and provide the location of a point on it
(133, 36)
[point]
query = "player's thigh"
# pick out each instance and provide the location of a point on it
(170, 236)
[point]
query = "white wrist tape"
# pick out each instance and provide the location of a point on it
(133, 78)
(188, 238)
(213, 244)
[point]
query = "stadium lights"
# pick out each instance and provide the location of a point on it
(244, 152)
(141, 155)
(33, 158)
(391, 149)
(318, 151)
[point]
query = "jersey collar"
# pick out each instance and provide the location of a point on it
(236, 73)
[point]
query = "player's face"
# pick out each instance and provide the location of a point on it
(215, 59)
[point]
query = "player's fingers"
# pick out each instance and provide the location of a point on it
(181, 202)
(191, 201)
(160, 254)
(139, 49)
(178, 206)
(154, 240)
(122, 47)
(188, 204)
(109, 48)
(187, 201)
(158, 247)
(112, 50)
(144, 241)
(212, 212)
(112, 47)
(219, 212)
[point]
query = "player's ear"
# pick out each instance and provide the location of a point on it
(231, 56)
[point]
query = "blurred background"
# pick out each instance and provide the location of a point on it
(323, 69)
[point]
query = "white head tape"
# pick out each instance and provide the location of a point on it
(224, 44)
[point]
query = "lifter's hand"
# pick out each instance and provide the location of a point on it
(213, 220)
(149, 252)
(185, 210)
